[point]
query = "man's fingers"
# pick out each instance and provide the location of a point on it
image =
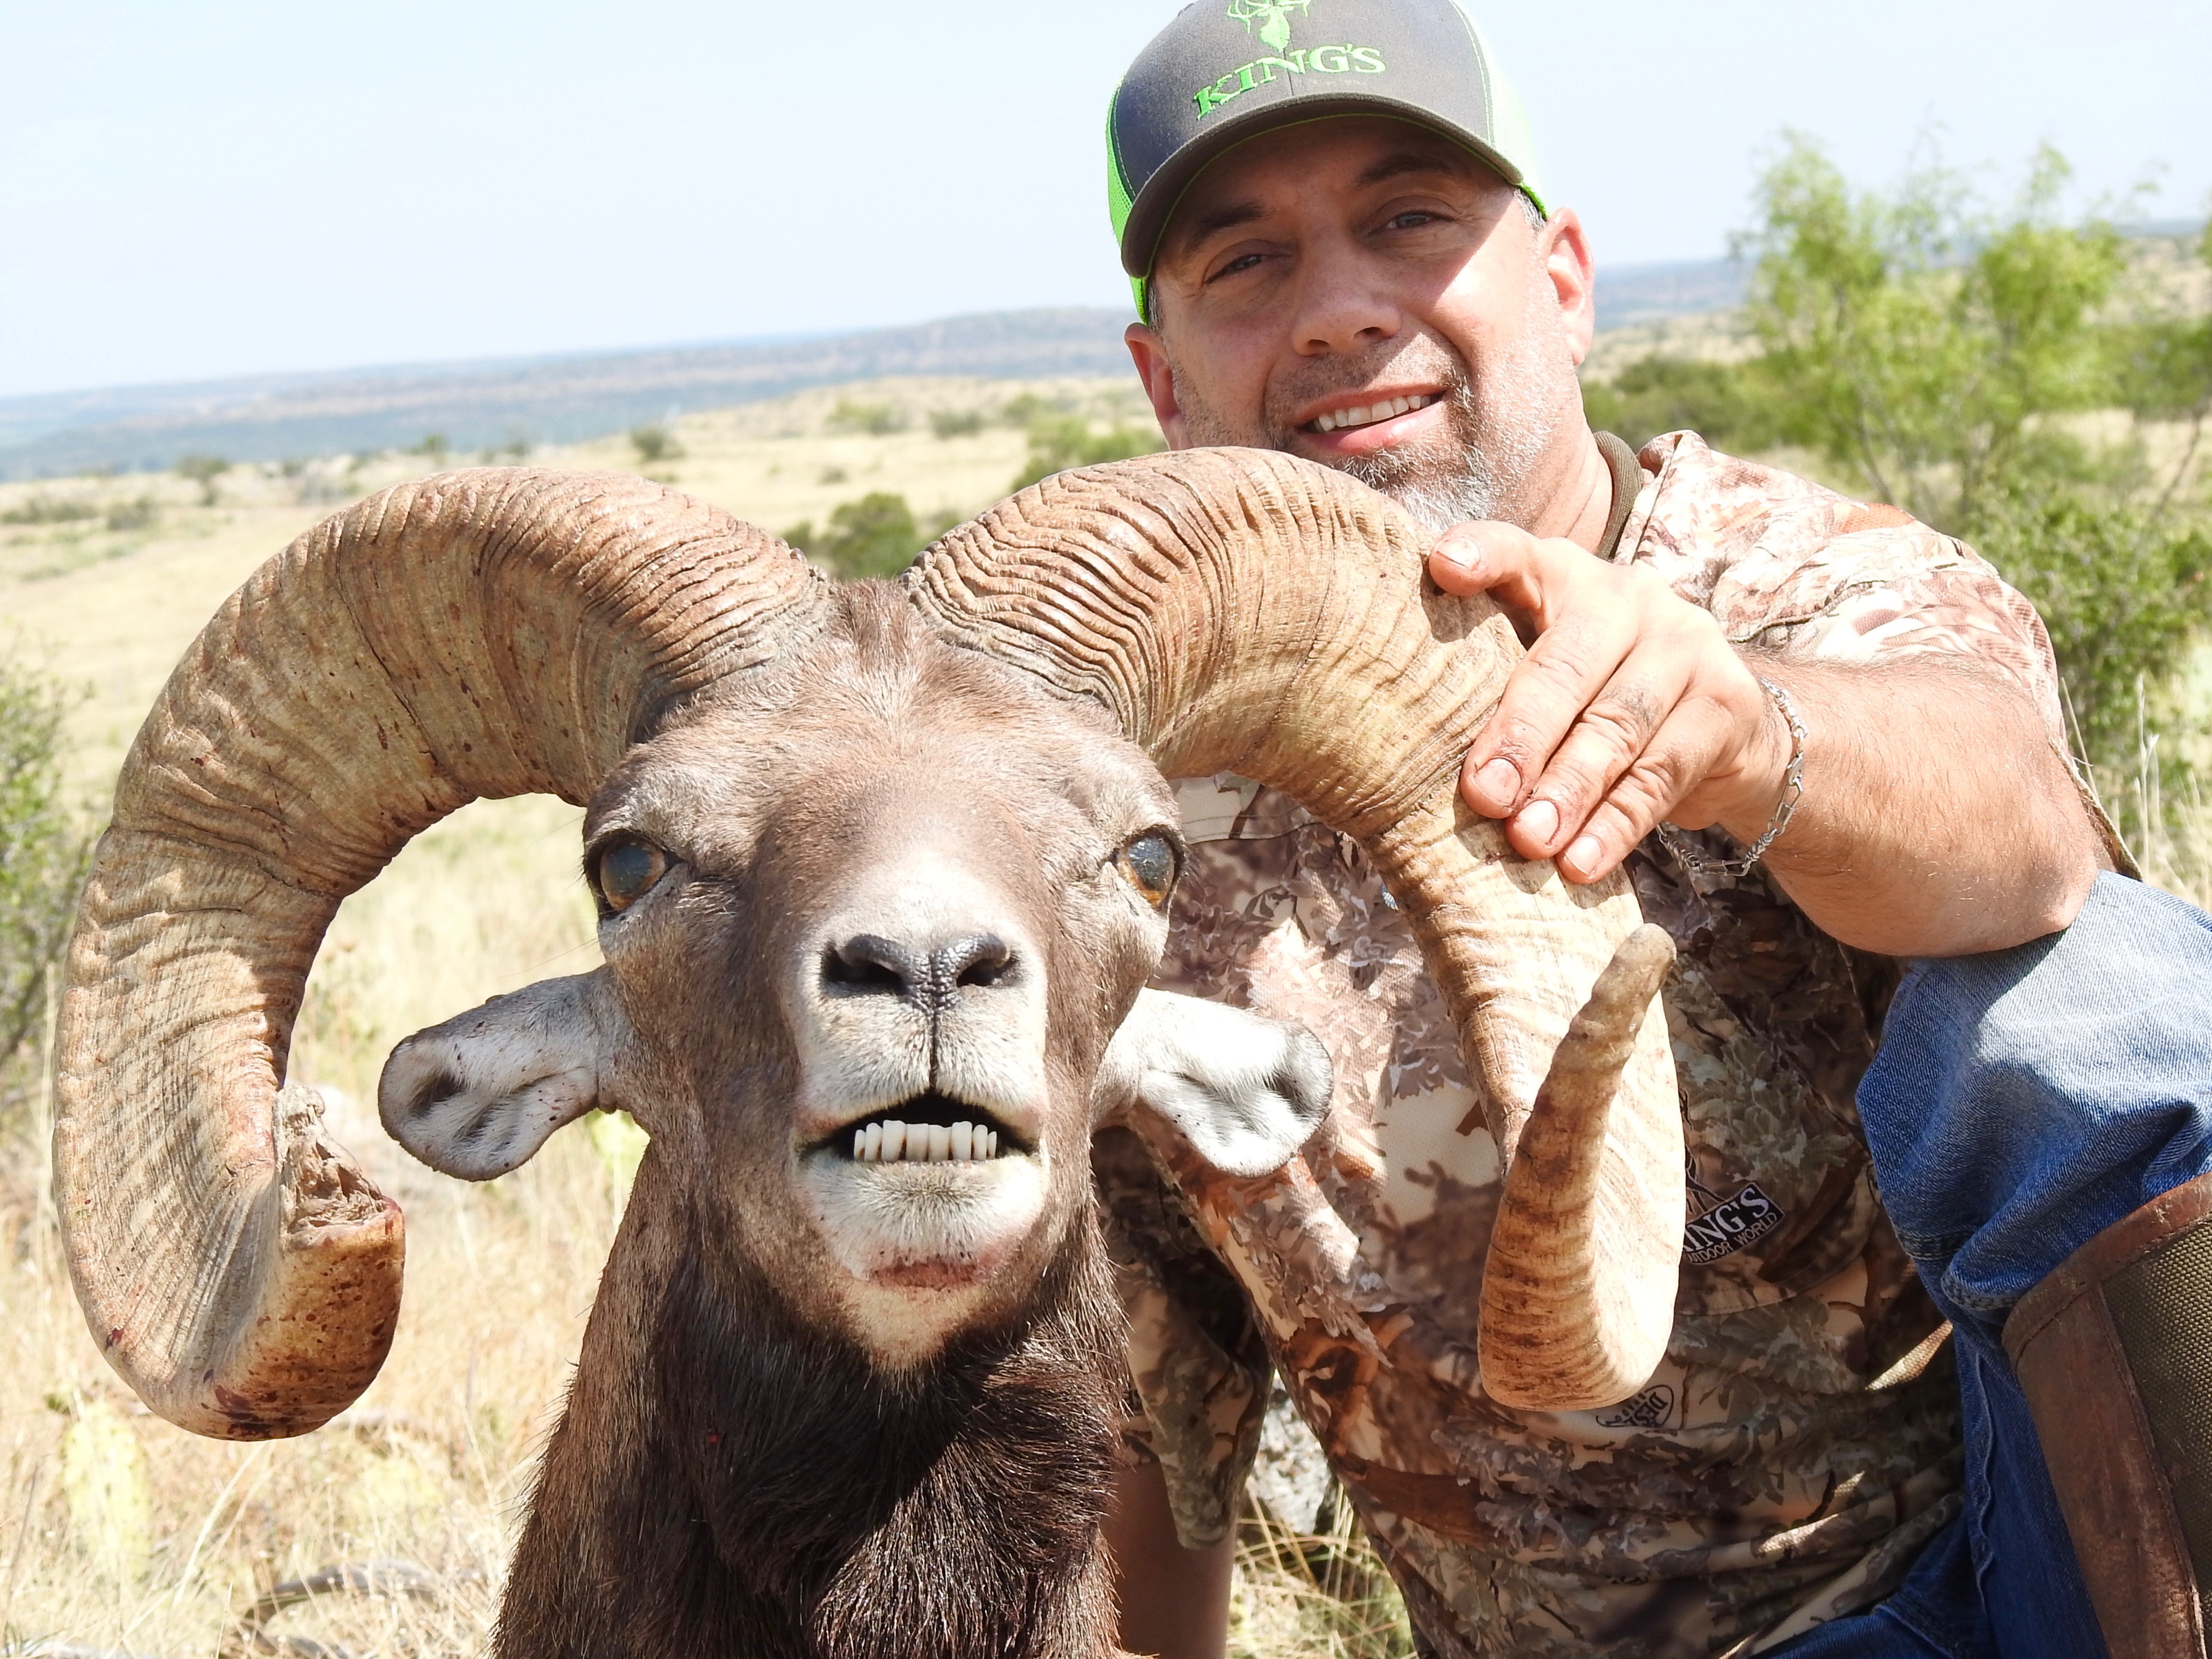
(1609, 837)
(1483, 556)
(1639, 719)
(1563, 671)
(1652, 787)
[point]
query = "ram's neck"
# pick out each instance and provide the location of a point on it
(727, 1481)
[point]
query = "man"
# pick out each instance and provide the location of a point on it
(1341, 250)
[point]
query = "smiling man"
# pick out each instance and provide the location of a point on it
(1817, 736)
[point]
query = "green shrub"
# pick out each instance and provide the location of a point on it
(44, 852)
(876, 420)
(1934, 349)
(137, 513)
(203, 470)
(956, 423)
(1028, 409)
(2122, 593)
(654, 444)
(1921, 339)
(874, 536)
(39, 508)
(1058, 443)
(1723, 403)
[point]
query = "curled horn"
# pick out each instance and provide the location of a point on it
(478, 635)
(1246, 611)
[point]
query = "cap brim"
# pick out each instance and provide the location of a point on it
(1155, 204)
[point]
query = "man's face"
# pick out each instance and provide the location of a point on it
(1366, 293)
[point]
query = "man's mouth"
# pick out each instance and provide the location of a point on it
(1384, 409)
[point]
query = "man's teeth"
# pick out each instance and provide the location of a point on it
(1368, 414)
(925, 1143)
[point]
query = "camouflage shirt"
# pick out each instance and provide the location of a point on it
(1802, 1440)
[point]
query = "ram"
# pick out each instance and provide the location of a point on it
(881, 870)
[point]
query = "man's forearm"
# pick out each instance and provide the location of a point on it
(1937, 819)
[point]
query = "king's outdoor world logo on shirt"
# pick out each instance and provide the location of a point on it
(1270, 21)
(1730, 1222)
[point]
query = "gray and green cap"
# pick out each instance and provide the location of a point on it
(1227, 69)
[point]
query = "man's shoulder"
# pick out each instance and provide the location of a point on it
(1695, 495)
(1761, 547)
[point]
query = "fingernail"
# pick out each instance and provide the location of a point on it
(1585, 854)
(1498, 780)
(1538, 820)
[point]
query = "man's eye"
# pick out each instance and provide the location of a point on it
(1411, 220)
(1241, 262)
(626, 870)
(1148, 864)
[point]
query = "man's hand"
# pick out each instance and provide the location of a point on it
(1938, 817)
(1629, 708)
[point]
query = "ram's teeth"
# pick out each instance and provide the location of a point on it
(940, 1142)
(964, 1141)
(893, 1146)
(992, 1138)
(873, 1149)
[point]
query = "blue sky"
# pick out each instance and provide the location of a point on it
(206, 187)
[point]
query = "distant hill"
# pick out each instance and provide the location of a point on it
(1634, 294)
(481, 406)
(544, 399)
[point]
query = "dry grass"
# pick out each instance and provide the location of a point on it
(124, 1533)
(1321, 1596)
(120, 1533)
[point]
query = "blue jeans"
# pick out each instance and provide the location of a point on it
(2023, 1101)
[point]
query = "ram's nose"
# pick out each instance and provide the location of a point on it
(929, 976)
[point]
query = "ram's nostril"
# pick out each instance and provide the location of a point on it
(979, 959)
(869, 963)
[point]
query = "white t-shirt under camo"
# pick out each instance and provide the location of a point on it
(1801, 1441)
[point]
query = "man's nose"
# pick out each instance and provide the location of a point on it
(1341, 304)
(932, 977)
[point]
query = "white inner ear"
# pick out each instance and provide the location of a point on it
(477, 1096)
(1245, 1090)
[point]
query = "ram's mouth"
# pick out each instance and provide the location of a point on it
(926, 1128)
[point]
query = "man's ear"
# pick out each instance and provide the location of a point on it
(1150, 357)
(1245, 1092)
(477, 1096)
(1573, 277)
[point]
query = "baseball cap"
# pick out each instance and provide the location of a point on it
(1227, 69)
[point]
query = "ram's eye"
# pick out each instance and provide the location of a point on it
(1148, 864)
(626, 870)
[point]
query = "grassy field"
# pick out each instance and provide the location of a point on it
(118, 1532)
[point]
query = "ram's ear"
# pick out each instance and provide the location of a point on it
(477, 1096)
(1245, 1092)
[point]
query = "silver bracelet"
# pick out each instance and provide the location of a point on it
(1793, 791)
